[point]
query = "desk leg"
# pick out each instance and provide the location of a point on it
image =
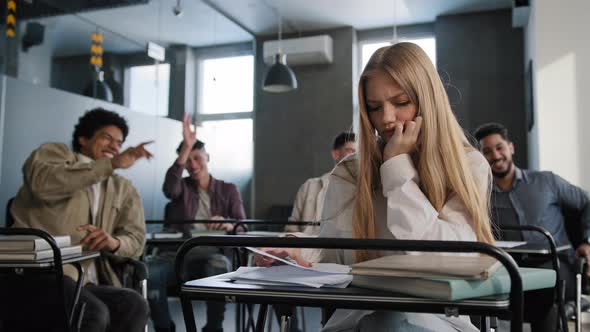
(578, 302)
(79, 283)
(250, 321)
(285, 323)
(187, 312)
(143, 285)
(561, 306)
(239, 317)
(261, 321)
(484, 324)
(285, 312)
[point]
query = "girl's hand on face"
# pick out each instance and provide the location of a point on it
(404, 139)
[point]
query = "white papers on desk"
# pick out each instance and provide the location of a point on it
(319, 267)
(164, 235)
(287, 275)
(509, 244)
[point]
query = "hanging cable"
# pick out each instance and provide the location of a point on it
(395, 40)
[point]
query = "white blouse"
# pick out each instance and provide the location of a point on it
(402, 211)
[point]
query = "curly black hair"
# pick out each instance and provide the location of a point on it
(94, 120)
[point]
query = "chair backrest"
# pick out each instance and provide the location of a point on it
(573, 227)
(9, 218)
(167, 211)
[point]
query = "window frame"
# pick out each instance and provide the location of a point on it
(381, 35)
(227, 51)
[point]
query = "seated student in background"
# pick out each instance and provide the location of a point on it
(310, 196)
(415, 177)
(76, 192)
(198, 196)
(526, 197)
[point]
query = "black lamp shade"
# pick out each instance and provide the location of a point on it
(279, 77)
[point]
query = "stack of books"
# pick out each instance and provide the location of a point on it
(30, 248)
(444, 277)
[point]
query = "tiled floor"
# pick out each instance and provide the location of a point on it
(504, 326)
(312, 318)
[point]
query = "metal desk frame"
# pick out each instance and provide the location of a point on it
(53, 265)
(512, 309)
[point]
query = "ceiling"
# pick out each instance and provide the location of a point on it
(129, 28)
(260, 16)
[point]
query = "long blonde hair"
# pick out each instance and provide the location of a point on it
(440, 159)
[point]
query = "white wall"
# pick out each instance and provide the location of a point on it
(529, 54)
(557, 41)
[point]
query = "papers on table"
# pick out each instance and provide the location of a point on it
(164, 235)
(288, 275)
(292, 274)
(509, 244)
(319, 267)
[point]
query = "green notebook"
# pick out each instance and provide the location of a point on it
(457, 289)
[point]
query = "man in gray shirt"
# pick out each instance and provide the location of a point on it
(526, 197)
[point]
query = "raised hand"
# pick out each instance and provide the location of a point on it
(128, 157)
(404, 139)
(189, 135)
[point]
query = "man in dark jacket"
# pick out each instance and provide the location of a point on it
(527, 197)
(196, 197)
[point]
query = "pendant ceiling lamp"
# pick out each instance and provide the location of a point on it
(279, 77)
(395, 39)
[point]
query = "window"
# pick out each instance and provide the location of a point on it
(227, 85)
(231, 147)
(427, 44)
(225, 105)
(148, 89)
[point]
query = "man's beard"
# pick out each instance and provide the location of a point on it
(501, 175)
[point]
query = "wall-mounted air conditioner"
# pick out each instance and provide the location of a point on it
(300, 51)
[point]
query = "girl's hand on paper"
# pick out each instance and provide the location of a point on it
(285, 253)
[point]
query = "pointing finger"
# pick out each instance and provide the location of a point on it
(145, 143)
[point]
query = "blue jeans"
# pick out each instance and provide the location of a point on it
(199, 263)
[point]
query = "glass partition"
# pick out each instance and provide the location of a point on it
(48, 82)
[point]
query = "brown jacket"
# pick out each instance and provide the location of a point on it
(54, 198)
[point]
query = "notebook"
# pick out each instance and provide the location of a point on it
(289, 275)
(39, 255)
(429, 266)
(30, 242)
(457, 289)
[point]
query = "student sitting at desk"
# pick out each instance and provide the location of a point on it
(310, 196)
(415, 177)
(77, 193)
(198, 196)
(527, 197)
